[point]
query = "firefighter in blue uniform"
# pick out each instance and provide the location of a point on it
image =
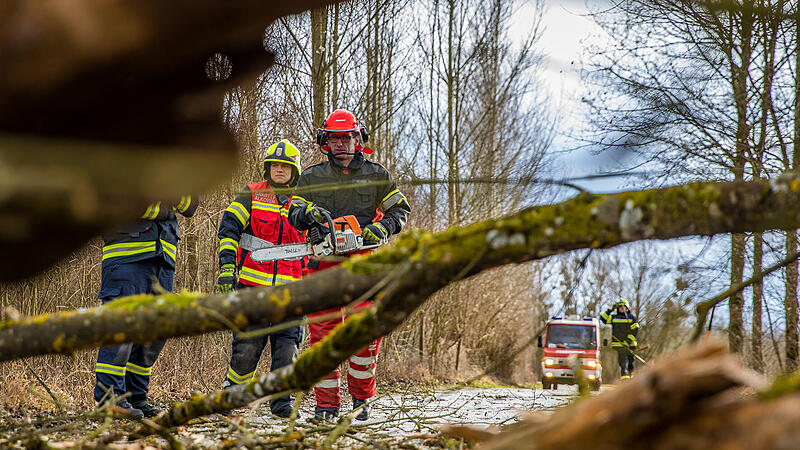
(134, 260)
(259, 217)
(624, 329)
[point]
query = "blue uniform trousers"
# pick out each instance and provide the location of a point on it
(126, 368)
(245, 354)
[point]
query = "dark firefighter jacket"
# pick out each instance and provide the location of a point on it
(261, 214)
(624, 327)
(155, 234)
(364, 189)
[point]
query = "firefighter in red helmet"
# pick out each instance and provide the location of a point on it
(367, 191)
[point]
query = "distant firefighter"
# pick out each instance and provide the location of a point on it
(624, 329)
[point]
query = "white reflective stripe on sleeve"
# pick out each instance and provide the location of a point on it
(361, 374)
(330, 383)
(392, 199)
(360, 360)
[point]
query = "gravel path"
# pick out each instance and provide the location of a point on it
(408, 418)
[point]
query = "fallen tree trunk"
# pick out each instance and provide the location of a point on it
(148, 318)
(596, 221)
(430, 264)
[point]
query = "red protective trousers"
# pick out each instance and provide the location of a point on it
(360, 368)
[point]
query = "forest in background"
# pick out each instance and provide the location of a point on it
(462, 103)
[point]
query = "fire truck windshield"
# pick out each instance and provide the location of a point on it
(571, 336)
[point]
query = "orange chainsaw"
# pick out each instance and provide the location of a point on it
(340, 237)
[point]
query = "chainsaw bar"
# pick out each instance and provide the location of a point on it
(287, 252)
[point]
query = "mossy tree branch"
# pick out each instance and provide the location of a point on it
(595, 221)
(432, 261)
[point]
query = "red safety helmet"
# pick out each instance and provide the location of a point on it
(342, 121)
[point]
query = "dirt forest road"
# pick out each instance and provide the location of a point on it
(400, 419)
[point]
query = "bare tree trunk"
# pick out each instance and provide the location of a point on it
(775, 346)
(319, 65)
(192, 266)
(452, 120)
(334, 59)
(740, 77)
(790, 300)
(736, 302)
(790, 305)
(434, 129)
(756, 351)
(421, 344)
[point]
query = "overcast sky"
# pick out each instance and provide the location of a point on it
(566, 29)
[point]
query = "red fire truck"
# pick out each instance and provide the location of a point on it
(563, 338)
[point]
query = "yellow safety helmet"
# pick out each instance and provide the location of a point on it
(621, 302)
(285, 152)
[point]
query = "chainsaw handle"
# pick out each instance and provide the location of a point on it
(330, 227)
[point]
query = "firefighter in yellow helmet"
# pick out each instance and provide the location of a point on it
(256, 216)
(624, 329)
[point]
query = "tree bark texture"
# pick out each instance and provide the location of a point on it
(736, 301)
(740, 77)
(756, 332)
(700, 399)
(148, 318)
(790, 306)
(319, 64)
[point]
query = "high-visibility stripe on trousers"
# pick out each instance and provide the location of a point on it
(126, 369)
(245, 354)
(360, 368)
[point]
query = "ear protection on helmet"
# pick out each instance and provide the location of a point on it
(322, 138)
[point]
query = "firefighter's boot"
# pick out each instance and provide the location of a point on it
(326, 413)
(135, 413)
(147, 409)
(364, 414)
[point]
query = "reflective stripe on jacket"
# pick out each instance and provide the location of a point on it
(364, 189)
(154, 234)
(624, 327)
(260, 213)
